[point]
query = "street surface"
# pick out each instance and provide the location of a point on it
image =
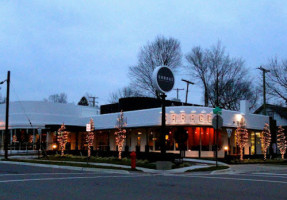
(27, 182)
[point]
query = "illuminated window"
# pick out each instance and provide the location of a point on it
(138, 141)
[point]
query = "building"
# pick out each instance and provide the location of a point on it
(35, 123)
(278, 115)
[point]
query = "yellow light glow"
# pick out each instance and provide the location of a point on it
(238, 117)
(54, 146)
(166, 137)
(226, 148)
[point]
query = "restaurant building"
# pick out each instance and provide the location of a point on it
(34, 123)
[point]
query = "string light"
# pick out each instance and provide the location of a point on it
(120, 134)
(265, 139)
(281, 141)
(90, 137)
(241, 135)
(62, 138)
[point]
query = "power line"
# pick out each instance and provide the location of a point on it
(21, 105)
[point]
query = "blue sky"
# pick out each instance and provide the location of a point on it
(87, 46)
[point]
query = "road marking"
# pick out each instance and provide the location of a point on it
(273, 174)
(69, 178)
(238, 179)
(33, 174)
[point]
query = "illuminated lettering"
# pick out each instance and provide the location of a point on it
(182, 117)
(173, 118)
(201, 117)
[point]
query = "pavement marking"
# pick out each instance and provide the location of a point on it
(33, 174)
(69, 178)
(238, 179)
(260, 175)
(273, 174)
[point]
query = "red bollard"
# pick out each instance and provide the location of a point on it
(133, 159)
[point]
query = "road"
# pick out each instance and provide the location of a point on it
(26, 182)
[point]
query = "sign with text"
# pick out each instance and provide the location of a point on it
(88, 127)
(192, 119)
(163, 79)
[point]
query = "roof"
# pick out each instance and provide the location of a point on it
(41, 113)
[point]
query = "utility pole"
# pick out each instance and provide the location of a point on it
(264, 71)
(7, 135)
(93, 100)
(217, 104)
(187, 84)
(177, 90)
(163, 125)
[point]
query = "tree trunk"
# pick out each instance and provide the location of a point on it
(205, 96)
(241, 153)
(89, 151)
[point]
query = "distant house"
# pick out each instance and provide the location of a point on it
(278, 117)
(277, 113)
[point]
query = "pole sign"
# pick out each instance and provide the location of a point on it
(217, 111)
(229, 132)
(163, 79)
(88, 127)
(219, 120)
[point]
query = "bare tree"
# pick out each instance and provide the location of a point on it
(162, 51)
(221, 75)
(276, 80)
(198, 64)
(58, 98)
(122, 93)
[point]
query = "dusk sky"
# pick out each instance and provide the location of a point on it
(87, 46)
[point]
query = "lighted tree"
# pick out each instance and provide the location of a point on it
(120, 134)
(281, 141)
(241, 135)
(14, 138)
(265, 139)
(62, 138)
(90, 136)
(31, 138)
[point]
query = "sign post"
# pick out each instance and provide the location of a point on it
(163, 81)
(229, 132)
(217, 123)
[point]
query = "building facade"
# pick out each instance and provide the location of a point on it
(34, 124)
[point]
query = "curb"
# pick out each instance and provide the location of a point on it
(84, 169)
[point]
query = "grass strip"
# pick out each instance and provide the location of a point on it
(72, 164)
(260, 161)
(108, 160)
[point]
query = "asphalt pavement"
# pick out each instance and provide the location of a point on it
(31, 182)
